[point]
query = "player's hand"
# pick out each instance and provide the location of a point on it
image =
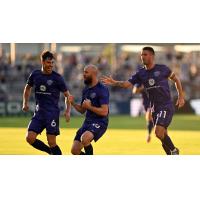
(25, 107)
(107, 80)
(67, 116)
(86, 104)
(71, 99)
(180, 102)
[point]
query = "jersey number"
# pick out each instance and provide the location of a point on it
(162, 113)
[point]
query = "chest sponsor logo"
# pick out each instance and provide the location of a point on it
(92, 95)
(151, 81)
(49, 82)
(157, 73)
(43, 88)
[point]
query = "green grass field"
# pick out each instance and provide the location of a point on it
(125, 136)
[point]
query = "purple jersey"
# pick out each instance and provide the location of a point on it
(47, 89)
(156, 84)
(98, 95)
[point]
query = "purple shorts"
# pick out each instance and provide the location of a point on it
(41, 121)
(163, 116)
(97, 128)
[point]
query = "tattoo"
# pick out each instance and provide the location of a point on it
(119, 84)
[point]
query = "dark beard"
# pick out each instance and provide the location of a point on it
(88, 81)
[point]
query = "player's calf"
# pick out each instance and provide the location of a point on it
(166, 149)
(55, 149)
(161, 133)
(76, 148)
(37, 144)
(86, 139)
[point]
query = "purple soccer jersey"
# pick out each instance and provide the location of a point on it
(47, 89)
(156, 85)
(47, 93)
(98, 95)
(97, 124)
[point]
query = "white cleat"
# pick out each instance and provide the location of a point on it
(175, 151)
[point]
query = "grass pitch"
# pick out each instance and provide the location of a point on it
(114, 142)
(125, 136)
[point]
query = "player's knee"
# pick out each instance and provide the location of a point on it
(30, 139)
(159, 135)
(75, 151)
(86, 139)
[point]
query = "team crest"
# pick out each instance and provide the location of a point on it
(42, 88)
(49, 82)
(151, 82)
(157, 73)
(92, 95)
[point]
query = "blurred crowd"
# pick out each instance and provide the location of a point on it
(122, 66)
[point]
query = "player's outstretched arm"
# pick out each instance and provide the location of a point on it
(78, 107)
(108, 80)
(180, 101)
(26, 95)
(68, 106)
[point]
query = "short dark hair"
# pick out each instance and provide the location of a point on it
(149, 49)
(47, 55)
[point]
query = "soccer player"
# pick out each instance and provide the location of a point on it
(47, 84)
(139, 89)
(155, 77)
(95, 100)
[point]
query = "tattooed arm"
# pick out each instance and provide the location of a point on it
(108, 80)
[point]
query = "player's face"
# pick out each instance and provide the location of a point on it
(87, 76)
(146, 57)
(48, 66)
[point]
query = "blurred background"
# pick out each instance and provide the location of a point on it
(18, 60)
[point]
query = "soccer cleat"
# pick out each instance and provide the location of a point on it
(175, 151)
